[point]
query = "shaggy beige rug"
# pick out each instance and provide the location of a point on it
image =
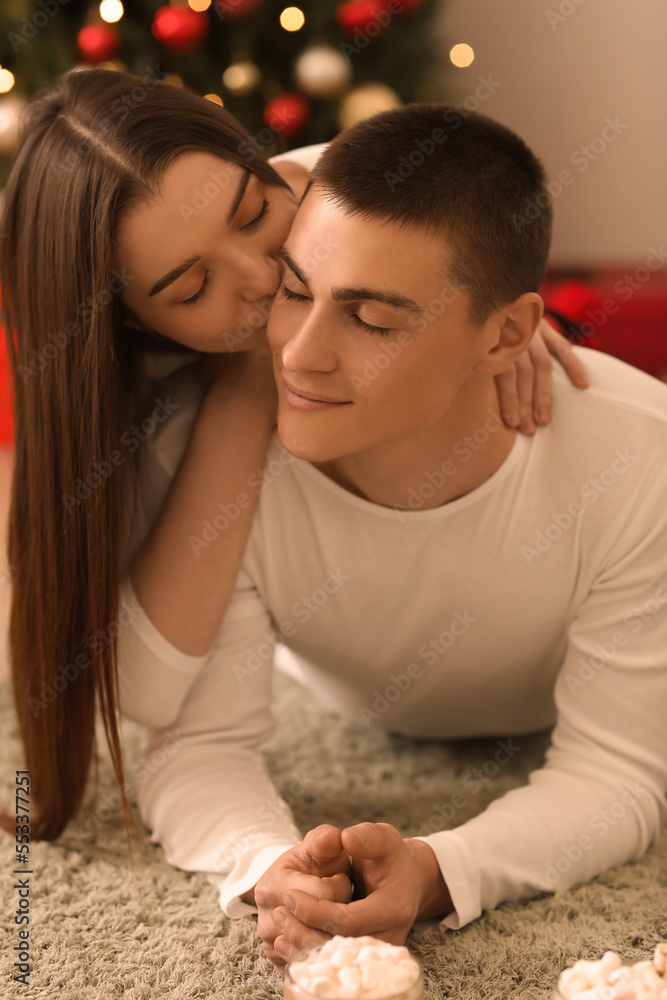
(98, 933)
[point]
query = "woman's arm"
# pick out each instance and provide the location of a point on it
(524, 390)
(182, 580)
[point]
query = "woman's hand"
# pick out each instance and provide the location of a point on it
(318, 868)
(524, 390)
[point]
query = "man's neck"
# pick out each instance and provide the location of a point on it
(435, 465)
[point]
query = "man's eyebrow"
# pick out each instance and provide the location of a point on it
(376, 295)
(356, 294)
(173, 275)
(287, 257)
(169, 278)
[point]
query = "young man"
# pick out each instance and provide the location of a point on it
(433, 571)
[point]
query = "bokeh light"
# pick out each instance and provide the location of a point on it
(111, 10)
(461, 55)
(292, 19)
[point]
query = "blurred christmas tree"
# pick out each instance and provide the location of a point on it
(297, 73)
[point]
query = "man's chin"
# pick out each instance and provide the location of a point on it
(307, 446)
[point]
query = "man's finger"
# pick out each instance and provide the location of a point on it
(371, 840)
(323, 845)
(364, 916)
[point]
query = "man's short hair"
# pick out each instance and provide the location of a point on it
(445, 170)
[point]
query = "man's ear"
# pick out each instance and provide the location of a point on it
(513, 328)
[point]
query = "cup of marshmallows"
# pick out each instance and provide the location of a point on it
(354, 968)
(609, 978)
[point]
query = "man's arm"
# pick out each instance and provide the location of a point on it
(599, 800)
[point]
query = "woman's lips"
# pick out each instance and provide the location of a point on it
(298, 399)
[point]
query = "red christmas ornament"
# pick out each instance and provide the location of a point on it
(235, 10)
(287, 113)
(363, 15)
(180, 28)
(97, 42)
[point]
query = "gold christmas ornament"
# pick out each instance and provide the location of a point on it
(367, 100)
(323, 71)
(241, 77)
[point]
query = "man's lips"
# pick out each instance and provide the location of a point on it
(316, 397)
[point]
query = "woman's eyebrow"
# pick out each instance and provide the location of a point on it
(176, 272)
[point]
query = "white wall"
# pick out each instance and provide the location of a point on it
(558, 84)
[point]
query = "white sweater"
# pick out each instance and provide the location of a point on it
(538, 599)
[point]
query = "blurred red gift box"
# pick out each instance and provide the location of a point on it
(623, 313)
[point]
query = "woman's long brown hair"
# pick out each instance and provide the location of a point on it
(91, 147)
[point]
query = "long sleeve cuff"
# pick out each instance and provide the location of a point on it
(461, 877)
(246, 875)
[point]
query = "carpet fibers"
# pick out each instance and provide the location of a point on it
(99, 931)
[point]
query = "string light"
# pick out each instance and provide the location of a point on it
(199, 5)
(6, 81)
(292, 19)
(461, 55)
(111, 10)
(214, 97)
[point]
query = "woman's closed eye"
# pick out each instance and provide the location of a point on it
(195, 298)
(260, 215)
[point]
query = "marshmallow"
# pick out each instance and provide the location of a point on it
(363, 968)
(609, 979)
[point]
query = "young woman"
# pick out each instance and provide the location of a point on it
(142, 227)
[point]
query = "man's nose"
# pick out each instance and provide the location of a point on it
(310, 346)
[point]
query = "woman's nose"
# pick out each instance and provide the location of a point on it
(260, 277)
